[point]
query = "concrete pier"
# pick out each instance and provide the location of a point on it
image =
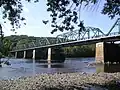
(49, 55)
(107, 52)
(33, 57)
(19, 54)
(100, 52)
(108, 68)
(24, 55)
(15, 54)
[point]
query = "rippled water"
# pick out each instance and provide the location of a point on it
(25, 67)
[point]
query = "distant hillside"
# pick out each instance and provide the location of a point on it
(24, 41)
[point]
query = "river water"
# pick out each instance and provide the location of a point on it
(25, 67)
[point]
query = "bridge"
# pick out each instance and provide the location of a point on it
(88, 35)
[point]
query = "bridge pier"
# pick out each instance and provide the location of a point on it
(55, 54)
(112, 68)
(99, 52)
(24, 55)
(19, 54)
(33, 57)
(49, 55)
(15, 54)
(107, 52)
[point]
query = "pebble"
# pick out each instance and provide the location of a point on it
(63, 81)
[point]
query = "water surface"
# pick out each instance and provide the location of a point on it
(25, 67)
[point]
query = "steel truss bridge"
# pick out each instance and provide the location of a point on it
(89, 33)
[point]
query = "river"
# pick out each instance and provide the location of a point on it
(27, 67)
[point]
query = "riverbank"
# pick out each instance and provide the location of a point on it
(65, 81)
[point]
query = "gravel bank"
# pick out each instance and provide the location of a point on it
(67, 81)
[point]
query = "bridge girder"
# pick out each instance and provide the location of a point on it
(80, 34)
(87, 33)
(117, 23)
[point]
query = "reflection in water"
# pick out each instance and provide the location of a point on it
(49, 65)
(33, 67)
(25, 67)
(109, 68)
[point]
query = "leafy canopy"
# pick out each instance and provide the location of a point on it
(68, 12)
(11, 10)
(64, 13)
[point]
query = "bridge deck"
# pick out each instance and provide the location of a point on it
(78, 42)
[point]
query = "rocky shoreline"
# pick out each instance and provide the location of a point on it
(64, 81)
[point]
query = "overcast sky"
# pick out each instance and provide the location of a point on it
(36, 12)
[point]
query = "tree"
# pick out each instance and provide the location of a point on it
(65, 11)
(1, 40)
(11, 10)
(6, 47)
(80, 51)
(68, 12)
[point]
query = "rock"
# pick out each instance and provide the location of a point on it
(62, 81)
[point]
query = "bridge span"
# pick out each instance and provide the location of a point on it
(104, 43)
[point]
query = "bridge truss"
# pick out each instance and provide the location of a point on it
(80, 34)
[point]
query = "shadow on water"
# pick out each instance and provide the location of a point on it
(109, 68)
(52, 65)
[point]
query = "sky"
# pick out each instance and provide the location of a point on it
(36, 12)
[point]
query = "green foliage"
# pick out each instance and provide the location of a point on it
(5, 47)
(80, 51)
(65, 14)
(24, 41)
(11, 10)
(18, 41)
(1, 55)
(111, 8)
